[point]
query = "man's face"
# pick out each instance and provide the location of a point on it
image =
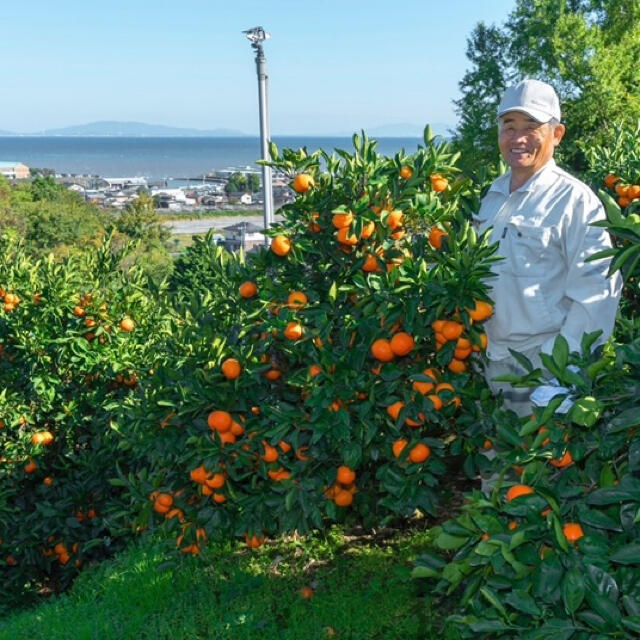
(526, 144)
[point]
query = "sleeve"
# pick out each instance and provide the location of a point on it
(592, 297)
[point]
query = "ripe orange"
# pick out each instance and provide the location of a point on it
(512, 525)
(313, 226)
(216, 481)
(272, 374)
(572, 531)
(293, 331)
(345, 475)
(435, 237)
(634, 192)
(419, 453)
(347, 238)
(30, 467)
(42, 437)
(436, 401)
(561, 463)
(402, 343)
(438, 182)
(127, 324)
(303, 182)
(306, 593)
(406, 173)
(199, 474)
(381, 350)
(248, 289)
(481, 311)
(163, 503)
(270, 453)
(297, 300)
(622, 190)
(231, 369)
(314, 370)
(343, 498)
(281, 245)
(623, 201)
(394, 409)
(254, 541)
(285, 447)
(370, 263)
(462, 354)
(78, 311)
(342, 220)
(487, 444)
(518, 490)
(610, 180)
(367, 230)
(219, 421)
(219, 498)
(48, 481)
(457, 366)
(452, 330)
(398, 447)
(394, 219)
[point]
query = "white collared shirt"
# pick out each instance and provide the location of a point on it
(543, 286)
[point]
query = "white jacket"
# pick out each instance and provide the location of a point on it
(543, 286)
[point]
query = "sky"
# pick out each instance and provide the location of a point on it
(333, 65)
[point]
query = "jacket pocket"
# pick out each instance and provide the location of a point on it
(525, 248)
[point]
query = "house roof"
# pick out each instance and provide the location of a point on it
(249, 227)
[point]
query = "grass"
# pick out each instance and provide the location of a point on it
(214, 213)
(362, 591)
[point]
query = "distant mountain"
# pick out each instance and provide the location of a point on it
(134, 129)
(405, 130)
(6, 133)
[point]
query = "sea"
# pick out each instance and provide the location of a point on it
(169, 159)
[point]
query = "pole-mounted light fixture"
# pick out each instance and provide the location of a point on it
(257, 36)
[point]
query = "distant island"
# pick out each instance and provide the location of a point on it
(117, 129)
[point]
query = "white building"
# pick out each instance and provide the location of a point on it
(14, 170)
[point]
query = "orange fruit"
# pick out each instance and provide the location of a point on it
(343, 498)
(457, 366)
(78, 311)
(518, 490)
(367, 230)
(438, 182)
(481, 311)
(435, 237)
(452, 330)
(634, 192)
(30, 467)
(572, 531)
(254, 541)
(561, 463)
(402, 343)
(303, 182)
(406, 172)
(394, 219)
(622, 190)
(436, 401)
(248, 289)
(610, 180)
(345, 475)
(270, 453)
(199, 474)
(48, 481)
(342, 220)
(293, 331)
(370, 263)
(461, 354)
(398, 447)
(306, 593)
(419, 453)
(345, 237)
(42, 437)
(285, 447)
(424, 387)
(219, 421)
(623, 201)
(314, 370)
(163, 503)
(231, 368)
(281, 245)
(487, 444)
(483, 343)
(297, 300)
(381, 350)
(394, 409)
(216, 481)
(127, 324)
(512, 525)
(272, 374)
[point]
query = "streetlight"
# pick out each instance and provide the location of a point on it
(257, 36)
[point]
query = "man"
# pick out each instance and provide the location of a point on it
(541, 217)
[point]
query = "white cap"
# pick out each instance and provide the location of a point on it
(537, 99)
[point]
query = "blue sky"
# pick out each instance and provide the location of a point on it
(334, 66)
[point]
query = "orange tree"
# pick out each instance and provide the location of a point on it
(331, 376)
(76, 337)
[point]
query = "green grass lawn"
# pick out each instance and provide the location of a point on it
(362, 590)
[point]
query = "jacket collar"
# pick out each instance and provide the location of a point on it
(543, 177)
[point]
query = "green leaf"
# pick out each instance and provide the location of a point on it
(586, 411)
(625, 420)
(573, 590)
(424, 572)
(632, 622)
(446, 541)
(522, 601)
(333, 292)
(492, 597)
(629, 554)
(560, 352)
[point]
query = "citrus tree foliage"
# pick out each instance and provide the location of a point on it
(76, 337)
(330, 377)
(589, 51)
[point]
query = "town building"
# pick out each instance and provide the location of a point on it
(14, 170)
(244, 235)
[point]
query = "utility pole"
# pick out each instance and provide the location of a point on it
(257, 36)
